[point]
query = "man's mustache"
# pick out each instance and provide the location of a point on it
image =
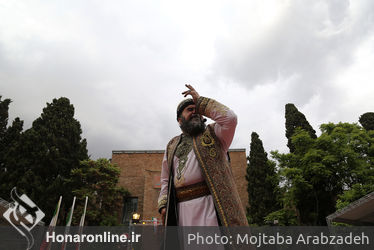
(202, 118)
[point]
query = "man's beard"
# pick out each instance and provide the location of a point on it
(194, 126)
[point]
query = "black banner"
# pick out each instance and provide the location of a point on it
(159, 237)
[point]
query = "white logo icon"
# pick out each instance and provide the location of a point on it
(24, 215)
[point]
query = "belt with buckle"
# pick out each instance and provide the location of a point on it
(192, 191)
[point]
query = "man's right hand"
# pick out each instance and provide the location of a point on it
(163, 214)
(191, 91)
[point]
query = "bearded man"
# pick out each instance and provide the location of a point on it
(197, 185)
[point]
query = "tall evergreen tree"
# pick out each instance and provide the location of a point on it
(262, 183)
(367, 120)
(9, 138)
(47, 153)
(296, 119)
(4, 108)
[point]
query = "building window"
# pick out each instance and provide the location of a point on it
(130, 206)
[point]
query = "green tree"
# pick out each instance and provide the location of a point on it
(357, 191)
(365, 175)
(4, 114)
(46, 154)
(295, 119)
(263, 183)
(319, 170)
(9, 138)
(367, 120)
(282, 217)
(99, 181)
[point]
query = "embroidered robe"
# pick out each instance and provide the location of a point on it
(206, 161)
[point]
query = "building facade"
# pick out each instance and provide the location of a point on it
(140, 175)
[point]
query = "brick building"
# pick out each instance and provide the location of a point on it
(140, 175)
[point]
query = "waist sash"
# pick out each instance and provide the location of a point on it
(192, 191)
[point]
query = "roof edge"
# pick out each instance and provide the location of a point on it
(350, 206)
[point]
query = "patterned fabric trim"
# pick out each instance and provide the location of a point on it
(201, 104)
(219, 178)
(213, 105)
(183, 149)
(205, 106)
(162, 200)
(212, 188)
(171, 147)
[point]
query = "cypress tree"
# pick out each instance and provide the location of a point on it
(262, 183)
(367, 121)
(47, 153)
(9, 138)
(4, 107)
(296, 119)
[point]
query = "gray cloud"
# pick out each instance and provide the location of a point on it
(309, 43)
(124, 64)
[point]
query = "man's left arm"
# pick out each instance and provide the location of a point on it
(226, 120)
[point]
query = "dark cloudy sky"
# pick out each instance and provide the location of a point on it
(123, 64)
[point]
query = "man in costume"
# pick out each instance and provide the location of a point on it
(197, 185)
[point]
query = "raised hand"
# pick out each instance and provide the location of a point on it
(191, 92)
